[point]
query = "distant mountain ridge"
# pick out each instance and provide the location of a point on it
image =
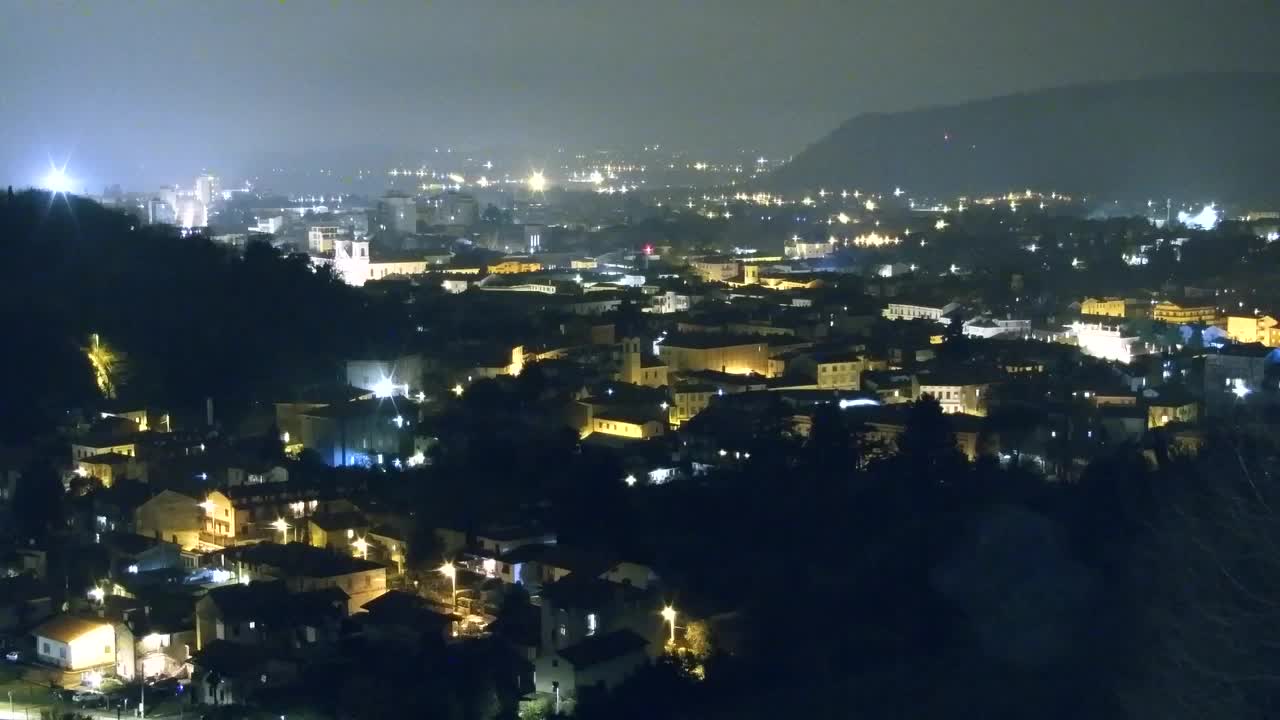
(1192, 136)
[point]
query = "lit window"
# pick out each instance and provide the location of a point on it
(591, 623)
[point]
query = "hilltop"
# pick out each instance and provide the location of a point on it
(1195, 136)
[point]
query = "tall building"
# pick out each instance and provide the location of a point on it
(208, 189)
(160, 212)
(398, 212)
(320, 238)
(533, 237)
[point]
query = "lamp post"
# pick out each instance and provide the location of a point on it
(451, 572)
(669, 615)
(283, 527)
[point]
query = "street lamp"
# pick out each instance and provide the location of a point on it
(362, 546)
(669, 615)
(283, 527)
(451, 572)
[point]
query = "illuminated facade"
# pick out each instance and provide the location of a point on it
(1113, 307)
(708, 351)
(1174, 313)
(1106, 343)
(911, 311)
(85, 649)
(512, 266)
(1254, 329)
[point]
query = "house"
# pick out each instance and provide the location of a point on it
(360, 432)
(1114, 307)
(84, 649)
(956, 390)
(102, 444)
(303, 568)
(1172, 407)
(1262, 329)
(172, 516)
(131, 553)
(405, 619)
(497, 540)
(597, 664)
(163, 641)
(228, 673)
(110, 467)
(267, 614)
(1184, 313)
(24, 599)
(580, 606)
(336, 531)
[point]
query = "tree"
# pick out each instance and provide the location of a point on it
(927, 444)
(37, 500)
(830, 452)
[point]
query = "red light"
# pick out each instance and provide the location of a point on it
(648, 249)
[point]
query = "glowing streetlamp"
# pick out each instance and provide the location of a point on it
(669, 615)
(537, 181)
(362, 546)
(458, 389)
(97, 594)
(451, 572)
(630, 480)
(283, 528)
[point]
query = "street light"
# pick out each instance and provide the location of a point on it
(669, 615)
(451, 572)
(362, 546)
(283, 527)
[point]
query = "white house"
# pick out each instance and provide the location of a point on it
(81, 647)
(911, 311)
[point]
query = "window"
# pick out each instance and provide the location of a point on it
(62, 652)
(253, 624)
(45, 651)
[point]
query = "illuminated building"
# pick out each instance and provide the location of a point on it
(913, 311)
(172, 516)
(1114, 307)
(87, 447)
(353, 263)
(639, 369)
(716, 269)
(843, 370)
(1105, 342)
(208, 189)
(84, 648)
(687, 400)
(797, 249)
(108, 468)
(306, 569)
(269, 225)
(955, 393)
(385, 378)
(713, 351)
(160, 212)
(515, 265)
(320, 238)
(1165, 410)
(1262, 329)
(1171, 312)
(533, 238)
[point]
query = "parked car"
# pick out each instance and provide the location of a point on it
(86, 697)
(13, 656)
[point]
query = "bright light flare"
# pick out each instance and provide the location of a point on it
(57, 180)
(1206, 219)
(537, 181)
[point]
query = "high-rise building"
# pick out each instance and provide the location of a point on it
(208, 189)
(320, 238)
(160, 212)
(398, 212)
(533, 237)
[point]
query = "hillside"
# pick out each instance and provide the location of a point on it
(1196, 136)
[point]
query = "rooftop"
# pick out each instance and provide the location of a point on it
(297, 559)
(602, 648)
(66, 628)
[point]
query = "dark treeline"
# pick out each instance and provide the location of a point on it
(190, 318)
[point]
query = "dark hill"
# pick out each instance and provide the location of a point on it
(1196, 136)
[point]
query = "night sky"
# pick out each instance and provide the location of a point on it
(149, 91)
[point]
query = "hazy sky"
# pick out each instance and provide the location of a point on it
(140, 91)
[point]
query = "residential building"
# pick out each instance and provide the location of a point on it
(1262, 329)
(687, 400)
(1185, 313)
(597, 664)
(510, 266)
(395, 376)
(935, 312)
(171, 516)
(320, 238)
(270, 614)
(1114, 307)
(84, 649)
(398, 213)
(304, 568)
(956, 391)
